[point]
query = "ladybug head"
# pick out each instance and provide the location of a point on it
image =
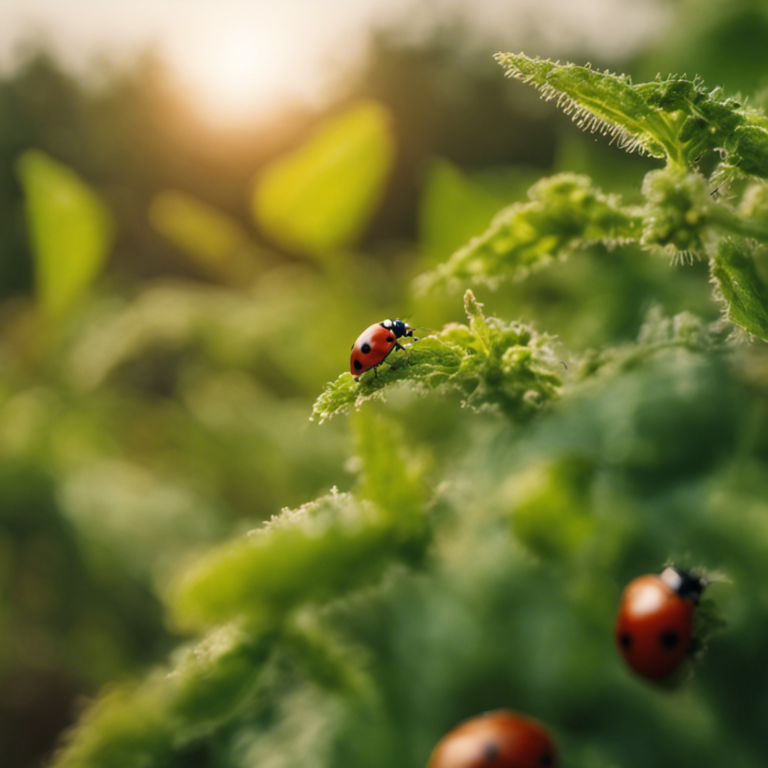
(687, 584)
(398, 327)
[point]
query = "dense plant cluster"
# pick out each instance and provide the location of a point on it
(499, 491)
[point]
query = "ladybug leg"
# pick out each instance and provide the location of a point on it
(403, 348)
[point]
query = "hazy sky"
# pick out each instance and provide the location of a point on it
(242, 53)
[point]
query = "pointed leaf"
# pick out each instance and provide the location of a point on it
(320, 197)
(733, 269)
(596, 100)
(70, 229)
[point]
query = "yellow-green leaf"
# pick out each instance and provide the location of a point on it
(70, 229)
(320, 197)
(210, 237)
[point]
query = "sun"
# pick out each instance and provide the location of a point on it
(232, 78)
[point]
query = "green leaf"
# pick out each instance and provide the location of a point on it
(70, 229)
(452, 209)
(677, 118)
(214, 240)
(491, 363)
(744, 293)
(565, 213)
(319, 198)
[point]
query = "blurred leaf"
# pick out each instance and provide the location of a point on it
(145, 724)
(213, 239)
(310, 555)
(70, 229)
(319, 198)
(552, 507)
(658, 334)
(733, 268)
(453, 209)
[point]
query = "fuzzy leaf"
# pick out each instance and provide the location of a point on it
(307, 556)
(677, 118)
(145, 724)
(745, 294)
(747, 149)
(565, 213)
(491, 363)
(596, 100)
(679, 208)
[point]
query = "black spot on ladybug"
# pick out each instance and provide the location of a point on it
(626, 640)
(546, 759)
(491, 751)
(669, 639)
(366, 348)
(389, 338)
(358, 365)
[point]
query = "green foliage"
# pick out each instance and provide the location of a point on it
(292, 562)
(680, 215)
(492, 364)
(314, 553)
(318, 199)
(70, 229)
(466, 559)
(597, 101)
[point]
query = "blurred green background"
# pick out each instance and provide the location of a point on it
(184, 264)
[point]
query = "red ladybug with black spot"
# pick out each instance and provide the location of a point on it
(375, 343)
(500, 739)
(654, 629)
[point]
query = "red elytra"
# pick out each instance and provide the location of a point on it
(654, 628)
(375, 343)
(500, 739)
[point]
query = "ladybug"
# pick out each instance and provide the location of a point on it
(374, 344)
(654, 629)
(500, 739)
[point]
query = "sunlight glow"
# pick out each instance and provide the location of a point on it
(235, 78)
